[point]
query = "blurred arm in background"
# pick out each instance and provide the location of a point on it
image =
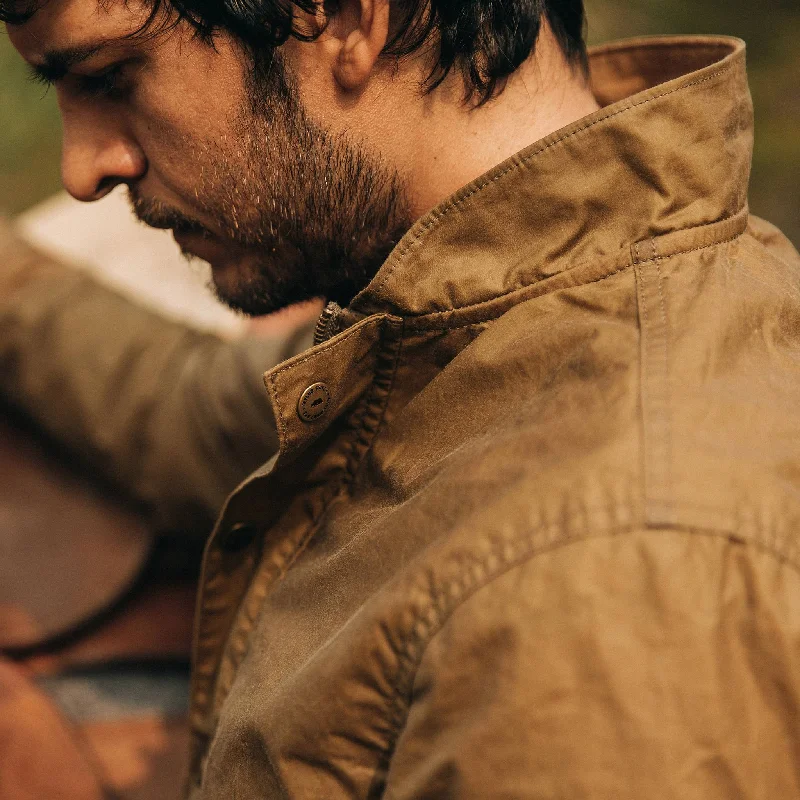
(173, 415)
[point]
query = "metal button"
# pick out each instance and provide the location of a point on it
(314, 402)
(239, 536)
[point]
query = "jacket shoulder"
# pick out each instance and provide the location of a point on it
(772, 241)
(665, 395)
(632, 643)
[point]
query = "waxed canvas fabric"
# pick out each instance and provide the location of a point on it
(542, 542)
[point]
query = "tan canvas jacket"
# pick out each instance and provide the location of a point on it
(531, 531)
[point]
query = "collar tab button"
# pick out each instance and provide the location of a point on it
(314, 402)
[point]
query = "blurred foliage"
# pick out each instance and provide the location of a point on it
(30, 135)
(29, 127)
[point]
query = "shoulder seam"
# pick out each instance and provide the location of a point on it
(430, 621)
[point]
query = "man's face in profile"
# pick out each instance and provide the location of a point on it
(215, 143)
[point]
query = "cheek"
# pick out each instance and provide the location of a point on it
(190, 96)
(166, 138)
(180, 140)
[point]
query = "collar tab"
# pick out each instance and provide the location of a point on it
(312, 390)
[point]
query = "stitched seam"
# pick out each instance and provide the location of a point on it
(668, 256)
(526, 159)
(302, 360)
(524, 289)
(358, 434)
(533, 552)
(366, 437)
(424, 629)
(280, 419)
(251, 604)
(653, 474)
(652, 44)
(665, 380)
(399, 344)
(267, 576)
(531, 288)
(645, 325)
(419, 636)
(654, 392)
(321, 348)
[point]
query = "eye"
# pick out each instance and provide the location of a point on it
(107, 83)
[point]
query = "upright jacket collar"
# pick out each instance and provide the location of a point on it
(669, 150)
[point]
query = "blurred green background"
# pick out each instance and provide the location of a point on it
(29, 128)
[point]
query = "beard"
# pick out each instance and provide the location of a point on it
(302, 213)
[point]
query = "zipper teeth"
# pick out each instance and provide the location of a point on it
(323, 328)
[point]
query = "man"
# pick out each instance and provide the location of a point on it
(531, 529)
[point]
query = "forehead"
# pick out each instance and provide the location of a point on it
(62, 24)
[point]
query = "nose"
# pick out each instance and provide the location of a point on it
(96, 157)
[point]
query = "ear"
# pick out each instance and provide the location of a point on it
(361, 30)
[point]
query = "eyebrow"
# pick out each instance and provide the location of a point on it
(57, 63)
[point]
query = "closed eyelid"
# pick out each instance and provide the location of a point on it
(101, 81)
(57, 63)
(103, 84)
(45, 74)
(41, 76)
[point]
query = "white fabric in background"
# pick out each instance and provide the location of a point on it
(105, 238)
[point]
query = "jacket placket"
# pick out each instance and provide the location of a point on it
(269, 520)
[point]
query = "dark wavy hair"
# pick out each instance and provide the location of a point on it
(487, 40)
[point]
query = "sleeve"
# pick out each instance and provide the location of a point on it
(653, 664)
(175, 417)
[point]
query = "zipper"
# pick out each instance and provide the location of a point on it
(326, 324)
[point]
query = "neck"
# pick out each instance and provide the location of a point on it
(456, 143)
